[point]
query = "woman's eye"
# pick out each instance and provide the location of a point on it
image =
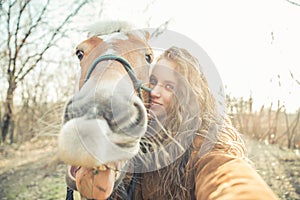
(170, 87)
(152, 81)
(148, 58)
(79, 54)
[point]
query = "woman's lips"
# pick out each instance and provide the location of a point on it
(155, 103)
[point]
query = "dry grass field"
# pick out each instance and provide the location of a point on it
(31, 171)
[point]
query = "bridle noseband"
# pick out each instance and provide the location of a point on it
(137, 84)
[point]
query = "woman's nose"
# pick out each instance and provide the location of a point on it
(156, 91)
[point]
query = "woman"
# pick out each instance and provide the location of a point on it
(190, 150)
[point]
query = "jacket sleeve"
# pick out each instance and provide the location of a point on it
(221, 176)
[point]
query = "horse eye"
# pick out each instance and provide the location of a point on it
(79, 54)
(148, 58)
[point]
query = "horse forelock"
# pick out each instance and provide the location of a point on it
(110, 31)
(107, 27)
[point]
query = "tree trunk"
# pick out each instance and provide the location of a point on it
(8, 118)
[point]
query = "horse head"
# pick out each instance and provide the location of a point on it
(105, 119)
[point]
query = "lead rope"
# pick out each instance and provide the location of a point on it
(69, 195)
(132, 184)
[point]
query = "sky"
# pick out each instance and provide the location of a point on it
(253, 44)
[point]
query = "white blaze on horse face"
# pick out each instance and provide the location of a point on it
(109, 51)
(113, 37)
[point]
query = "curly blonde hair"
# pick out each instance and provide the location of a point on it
(195, 105)
(191, 113)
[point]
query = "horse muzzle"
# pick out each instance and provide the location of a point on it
(102, 126)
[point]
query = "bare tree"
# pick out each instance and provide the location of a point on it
(28, 31)
(291, 129)
(272, 121)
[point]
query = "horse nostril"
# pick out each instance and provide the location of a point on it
(109, 117)
(140, 117)
(137, 121)
(76, 109)
(67, 116)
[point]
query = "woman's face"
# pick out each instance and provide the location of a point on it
(163, 83)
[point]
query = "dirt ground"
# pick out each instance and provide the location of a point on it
(280, 168)
(31, 171)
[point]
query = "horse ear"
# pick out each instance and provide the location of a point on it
(147, 35)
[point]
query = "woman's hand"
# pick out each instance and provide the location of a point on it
(94, 183)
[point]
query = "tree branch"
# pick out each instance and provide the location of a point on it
(9, 35)
(22, 8)
(32, 27)
(161, 29)
(292, 2)
(50, 43)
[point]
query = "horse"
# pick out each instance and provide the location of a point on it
(105, 119)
